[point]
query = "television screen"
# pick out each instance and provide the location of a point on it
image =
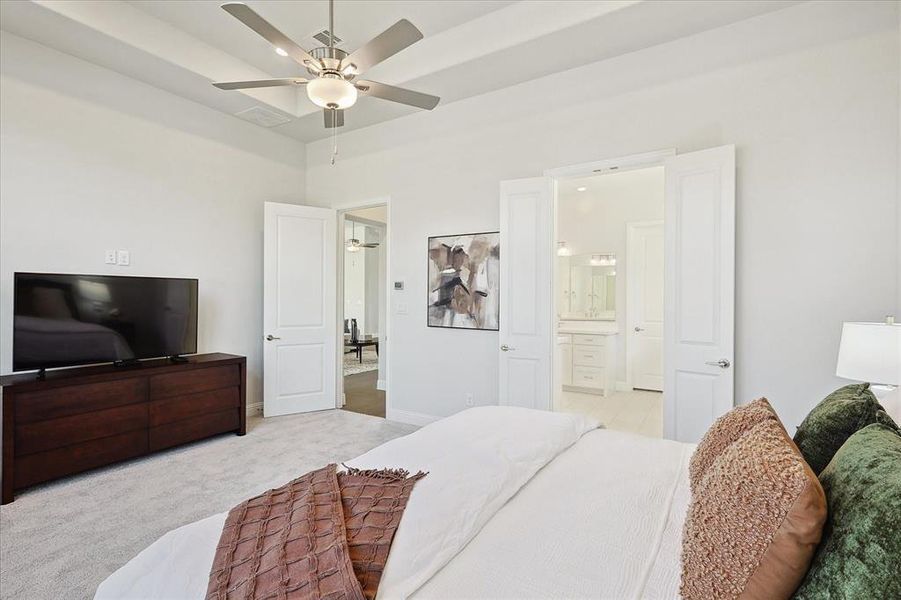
(63, 320)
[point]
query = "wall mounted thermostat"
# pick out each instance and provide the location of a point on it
(398, 285)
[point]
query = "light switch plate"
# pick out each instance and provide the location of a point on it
(109, 257)
(123, 258)
(401, 308)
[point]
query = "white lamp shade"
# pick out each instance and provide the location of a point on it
(870, 352)
(332, 92)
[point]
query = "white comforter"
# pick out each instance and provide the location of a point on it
(592, 523)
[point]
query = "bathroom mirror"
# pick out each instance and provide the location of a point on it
(586, 286)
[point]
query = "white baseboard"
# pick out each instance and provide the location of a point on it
(381, 384)
(412, 418)
(622, 386)
(255, 409)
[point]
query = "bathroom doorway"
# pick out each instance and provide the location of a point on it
(609, 298)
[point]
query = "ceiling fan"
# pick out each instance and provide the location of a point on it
(354, 244)
(334, 86)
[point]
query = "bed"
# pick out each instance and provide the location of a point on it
(517, 504)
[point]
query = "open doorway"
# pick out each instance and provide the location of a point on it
(609, 298)
(364, 257)
(698, 291)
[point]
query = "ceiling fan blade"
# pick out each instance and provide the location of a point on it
(246, 15)
(384, 45)
(373, 245)
(333, 118)
(397, 94)
(259, 83)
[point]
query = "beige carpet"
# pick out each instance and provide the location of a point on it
(59, 541)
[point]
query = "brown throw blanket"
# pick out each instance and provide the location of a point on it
(323, 535)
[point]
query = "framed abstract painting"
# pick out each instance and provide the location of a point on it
(464, 274)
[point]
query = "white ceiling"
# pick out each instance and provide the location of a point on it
(355, 23)
(471, 47)
(375, 213)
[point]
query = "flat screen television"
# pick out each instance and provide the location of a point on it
(65, 320)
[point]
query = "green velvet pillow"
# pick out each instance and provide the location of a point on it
(834, 420)
(860, 554)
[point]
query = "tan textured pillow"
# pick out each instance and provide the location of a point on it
(723, 432)
(754, 520)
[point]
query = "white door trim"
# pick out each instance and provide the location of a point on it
(618, 164)
(384, 344)
(631, 228)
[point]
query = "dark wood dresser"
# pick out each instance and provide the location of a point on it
(83, 418)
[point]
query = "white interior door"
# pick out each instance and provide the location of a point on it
(644, 304)
(299, 309)
(699, 290)
(526, 293)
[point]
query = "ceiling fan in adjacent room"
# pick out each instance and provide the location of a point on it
(354, 244)
(334, 86)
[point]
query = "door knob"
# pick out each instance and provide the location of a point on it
(271, 337)
(506, 348)
(722, 363)
(637, 328)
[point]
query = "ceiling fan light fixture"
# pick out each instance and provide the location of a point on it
(332, 91)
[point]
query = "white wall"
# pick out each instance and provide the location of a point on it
(809, 96)
(372, 282)
(94, 160)
(594, 222)
(355, 278)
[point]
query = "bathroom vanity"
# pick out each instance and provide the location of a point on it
(587, 329)
(587, 356)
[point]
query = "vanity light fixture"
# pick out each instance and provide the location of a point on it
(603, 260)
(562, 250)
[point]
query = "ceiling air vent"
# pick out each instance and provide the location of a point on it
(323, 38)
(263, 116)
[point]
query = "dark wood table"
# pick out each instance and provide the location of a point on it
(358, 345)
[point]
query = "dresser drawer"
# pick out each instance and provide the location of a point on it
(195, 428)
(193, 380)
(589, 340)
(41, 436)
(588, 356)
(59, 402)
(592, 377)
(44, 466)
(178, 408)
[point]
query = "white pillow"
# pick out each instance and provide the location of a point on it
(891, 402)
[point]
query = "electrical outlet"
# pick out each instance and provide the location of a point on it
(401, 308)
(123, 258)
(469, 400)
(109, 257)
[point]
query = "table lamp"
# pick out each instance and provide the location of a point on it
(871, 352)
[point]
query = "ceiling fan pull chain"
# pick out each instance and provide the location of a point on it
(334, 136)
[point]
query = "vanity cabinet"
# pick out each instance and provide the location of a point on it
(588, 362)
(565, 348)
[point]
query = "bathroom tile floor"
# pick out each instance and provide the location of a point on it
(636, 411)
